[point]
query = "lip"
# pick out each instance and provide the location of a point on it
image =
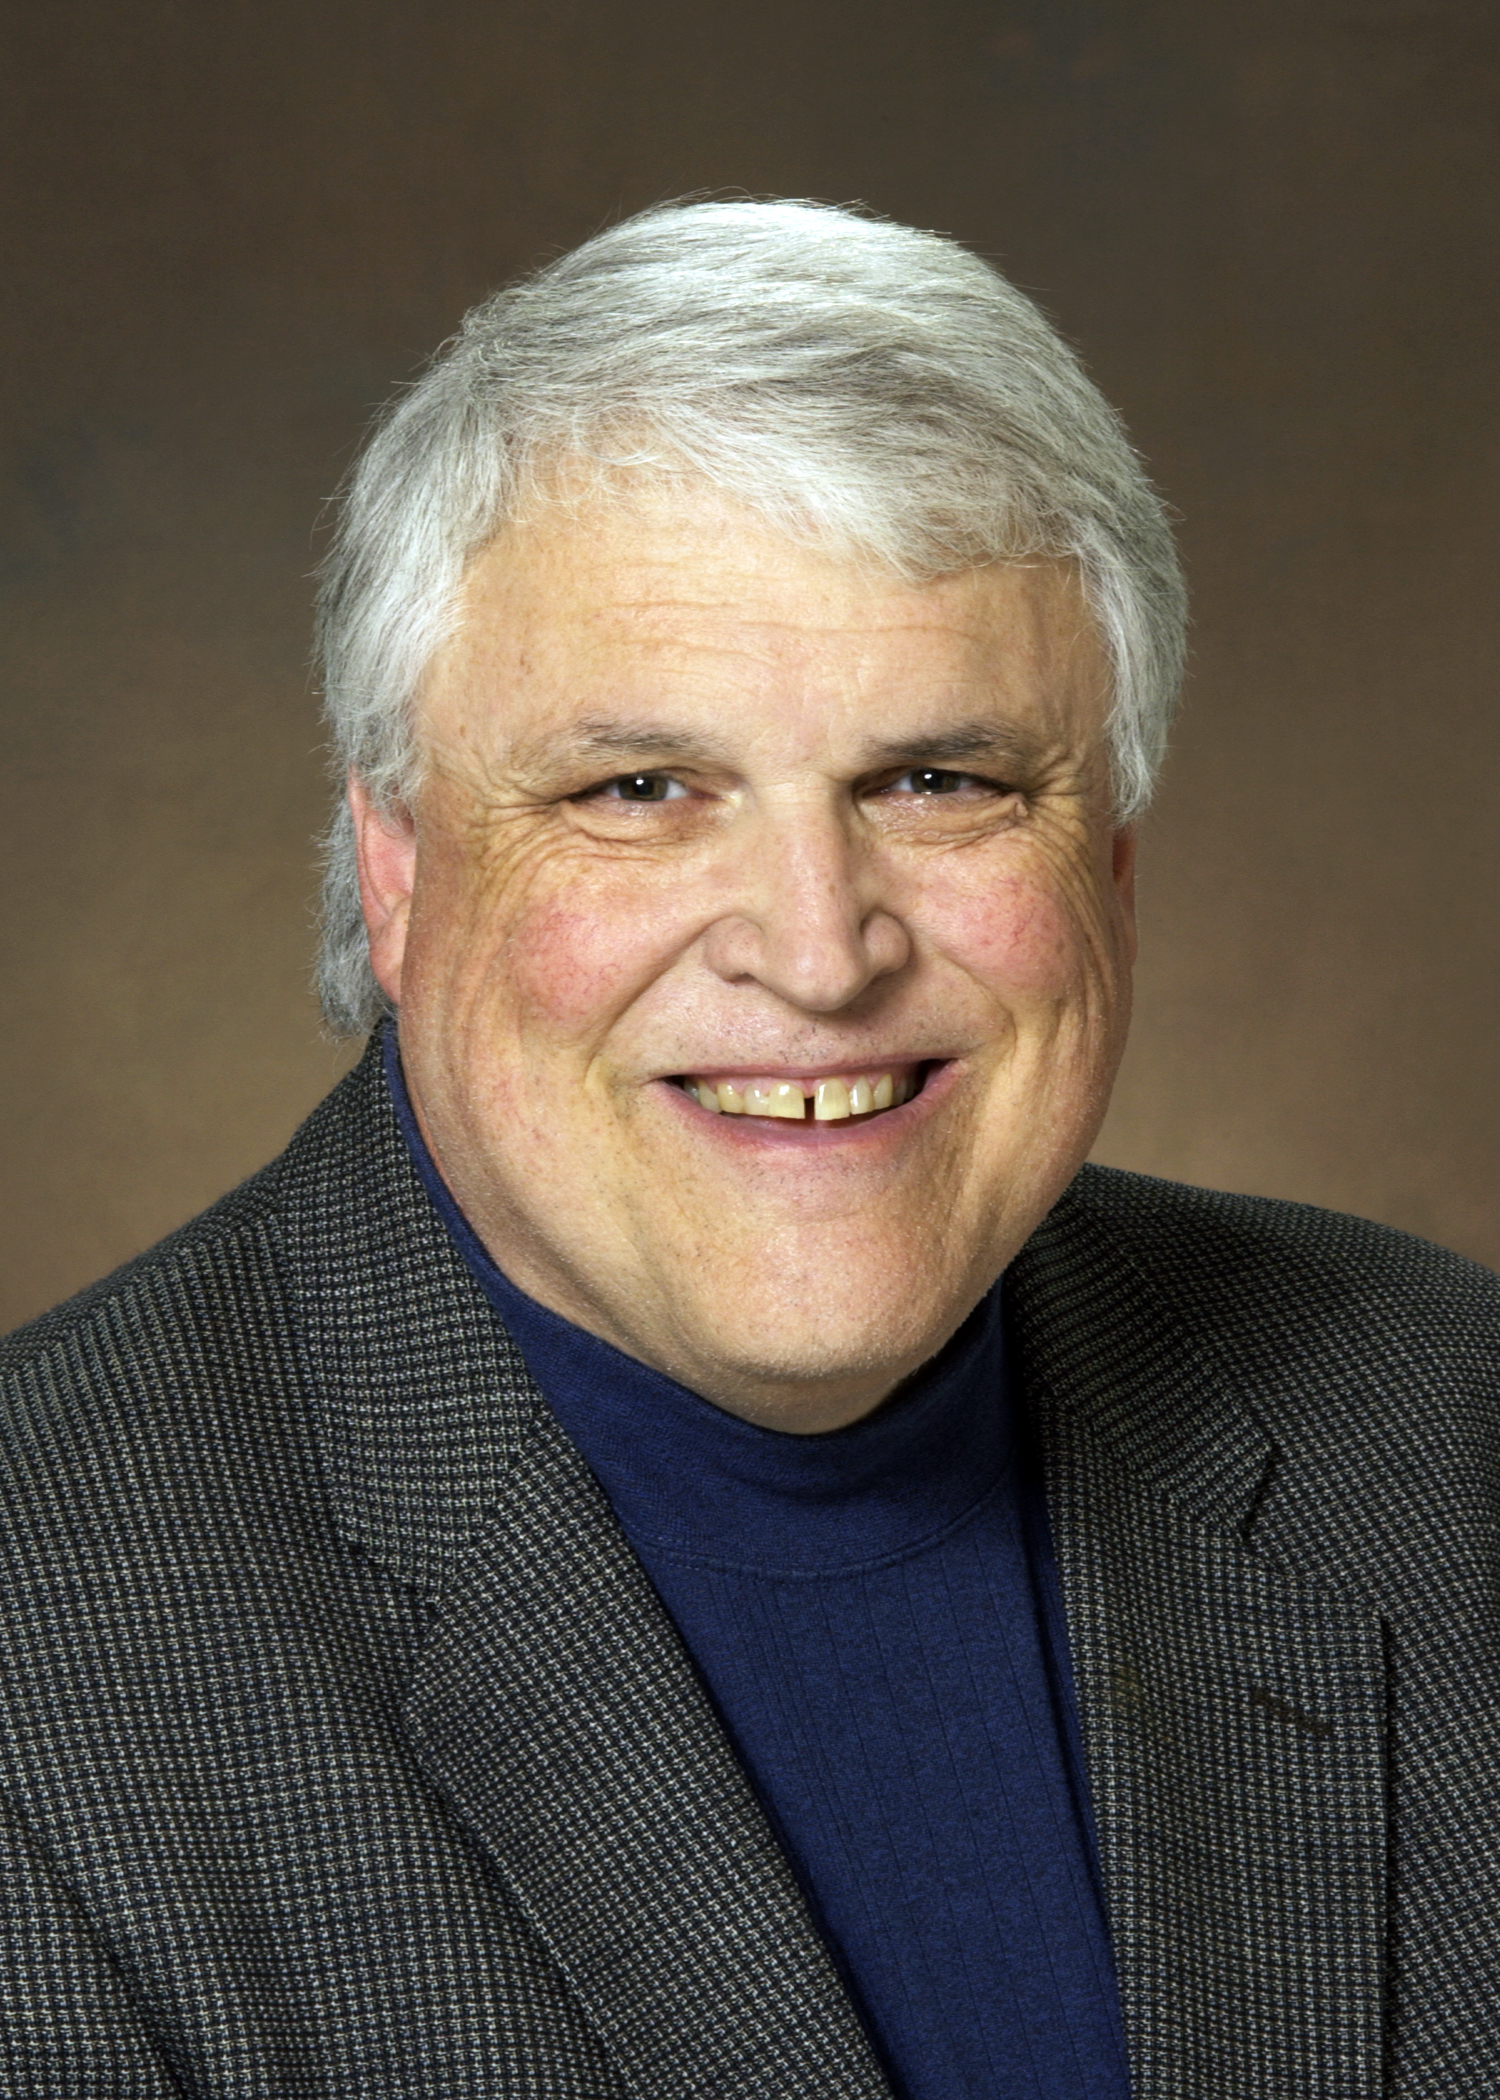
(892, 1125)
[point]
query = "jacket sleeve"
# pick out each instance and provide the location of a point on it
(68, 2027)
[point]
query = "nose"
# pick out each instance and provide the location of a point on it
(807, 919)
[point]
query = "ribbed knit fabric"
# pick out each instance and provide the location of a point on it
(876, 1615)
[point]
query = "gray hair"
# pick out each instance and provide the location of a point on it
(861, 384)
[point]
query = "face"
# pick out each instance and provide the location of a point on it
(759, 936)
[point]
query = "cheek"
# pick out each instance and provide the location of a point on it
(532, 941)
(571, 966)
(1016, 936)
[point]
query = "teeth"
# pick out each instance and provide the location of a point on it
(833, 1100)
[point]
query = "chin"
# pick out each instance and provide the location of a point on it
(774, 1348)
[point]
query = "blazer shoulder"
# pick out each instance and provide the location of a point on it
(188, 1321)
(1270, 1276)
(226, 1237)
(160, 1372)
(125, 1293)
(1171, 1217)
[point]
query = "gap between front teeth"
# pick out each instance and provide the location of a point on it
(833, 1100)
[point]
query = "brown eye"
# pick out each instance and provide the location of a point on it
(644, 787)
(932, 780)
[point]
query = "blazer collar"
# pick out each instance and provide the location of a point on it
(419, 1398)
(1099, 1340)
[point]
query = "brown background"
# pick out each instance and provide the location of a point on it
(230, 228)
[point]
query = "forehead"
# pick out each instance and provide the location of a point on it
(681, 596)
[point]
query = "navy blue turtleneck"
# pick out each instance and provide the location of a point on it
(876, 1615)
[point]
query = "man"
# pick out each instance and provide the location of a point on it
(679, 1542)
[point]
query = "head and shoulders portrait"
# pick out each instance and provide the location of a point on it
(682, 1539)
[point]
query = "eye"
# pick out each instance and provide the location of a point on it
(933, 780)
(642, 787)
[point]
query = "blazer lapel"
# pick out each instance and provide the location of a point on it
(556, 1709)
(1233, 1711)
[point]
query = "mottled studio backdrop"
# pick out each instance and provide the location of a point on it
(230, 228)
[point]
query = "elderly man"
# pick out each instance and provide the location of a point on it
(678, 1542)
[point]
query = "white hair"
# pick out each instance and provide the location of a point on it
(862, 385)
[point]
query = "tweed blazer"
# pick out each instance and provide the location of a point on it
(348, 1751)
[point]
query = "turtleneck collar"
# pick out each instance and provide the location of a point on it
(689, 1479)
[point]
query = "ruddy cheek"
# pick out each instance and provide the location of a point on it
(1015, 938)
(572, 967)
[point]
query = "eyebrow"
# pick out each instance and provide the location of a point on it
(603, 737)
(977, 739)
(599, 737)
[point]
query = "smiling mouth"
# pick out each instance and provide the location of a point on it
(841, 1098)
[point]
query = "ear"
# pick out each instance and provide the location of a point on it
(385, 845)
(1122, 867)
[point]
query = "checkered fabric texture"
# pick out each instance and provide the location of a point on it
(347, 1749)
